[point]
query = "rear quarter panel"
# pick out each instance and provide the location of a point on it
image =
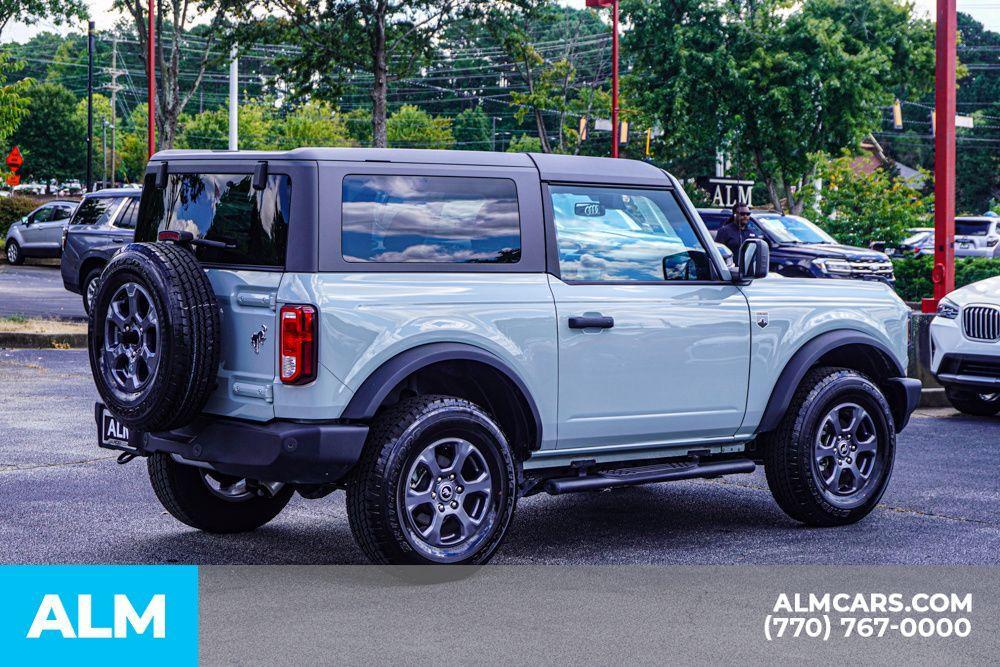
(368, 318)
(799, 310)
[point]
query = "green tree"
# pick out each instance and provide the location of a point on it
(13, 102)
(774, 85)
(31, 12)
(858, 208)
(132, 146)
(51, 136)
(411, 127)
(210, 129)
(313, 124)
(473, 130)
(524, 143)
(387, 38)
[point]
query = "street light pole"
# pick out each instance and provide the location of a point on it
(943, 274)
(234, 102)
(90, 106)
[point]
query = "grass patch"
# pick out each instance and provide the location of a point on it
(21, 324)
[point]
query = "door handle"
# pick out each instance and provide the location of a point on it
(118, 240)
(591, 322)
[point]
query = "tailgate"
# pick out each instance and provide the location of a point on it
(249, 353)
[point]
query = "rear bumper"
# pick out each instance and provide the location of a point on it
(294, 453)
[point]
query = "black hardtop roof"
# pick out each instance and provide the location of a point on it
(550, 167)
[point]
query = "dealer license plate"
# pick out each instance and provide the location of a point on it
(113, 434)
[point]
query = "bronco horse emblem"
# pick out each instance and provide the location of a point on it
(257, 340)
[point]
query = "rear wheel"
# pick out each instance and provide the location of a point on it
(89, 288)
(974, 403)
(210, 501)
(830, 459)
(436, 484)
(14, 254)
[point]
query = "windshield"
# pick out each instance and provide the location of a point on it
(972, 227)
(793, 229)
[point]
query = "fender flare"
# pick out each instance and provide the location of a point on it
(804, 359)
(369, 396)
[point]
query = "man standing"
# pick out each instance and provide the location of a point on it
(736, 230)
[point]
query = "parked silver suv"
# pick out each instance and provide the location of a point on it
(441, 333)
(39, 234)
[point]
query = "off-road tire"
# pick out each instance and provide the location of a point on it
(92, 275)
(398, 434)
(789, 449)
(182, 492)
(189, 336)
(970, 402)
(18, 255)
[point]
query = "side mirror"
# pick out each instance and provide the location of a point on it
(754, 259)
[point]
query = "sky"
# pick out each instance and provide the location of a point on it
(986, 12)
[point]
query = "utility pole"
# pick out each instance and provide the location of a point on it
(234, 102)
(943, 275)
(494, 133)
(114, 88)
(151, 82)
(90, 107)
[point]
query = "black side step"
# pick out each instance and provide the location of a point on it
(663, 472)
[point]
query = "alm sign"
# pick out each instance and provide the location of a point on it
(727, 192)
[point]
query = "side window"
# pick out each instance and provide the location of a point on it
(127, 218)
(625, 234)
(430, 219)
(61, 213)
(42, 214)
(95, 211)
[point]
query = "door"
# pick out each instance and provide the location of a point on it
(51, 235)
(33, 233)
(653, 347)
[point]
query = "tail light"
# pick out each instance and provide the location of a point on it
(298, 344)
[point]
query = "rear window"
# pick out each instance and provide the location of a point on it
(223, 208)
(972, 227)
(430, 219)
(95, 210)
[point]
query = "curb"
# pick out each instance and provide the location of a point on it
(933, 397)
(42, 340)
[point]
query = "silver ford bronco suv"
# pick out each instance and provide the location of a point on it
(441, 333)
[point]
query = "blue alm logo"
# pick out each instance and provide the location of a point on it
(106, 614)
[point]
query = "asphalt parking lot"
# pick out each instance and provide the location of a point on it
(64, 500)
(35, 289)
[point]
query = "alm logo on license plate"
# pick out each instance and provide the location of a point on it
(114, 432)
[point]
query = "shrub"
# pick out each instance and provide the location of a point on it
(858, 208)
(913, 274)
(13, 209)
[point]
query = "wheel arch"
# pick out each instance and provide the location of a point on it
(88, 263)
(456, 369)
(847, 349)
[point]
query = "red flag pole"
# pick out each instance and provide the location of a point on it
(944, 154)
(151, 81)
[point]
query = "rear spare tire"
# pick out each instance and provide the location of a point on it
(154, 336)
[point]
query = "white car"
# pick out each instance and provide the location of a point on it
(965, 347)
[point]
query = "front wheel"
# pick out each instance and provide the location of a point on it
(14, 254)
(210, 501)
(830, 459)
(974, 403)
(436, 484)
(90, 284)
